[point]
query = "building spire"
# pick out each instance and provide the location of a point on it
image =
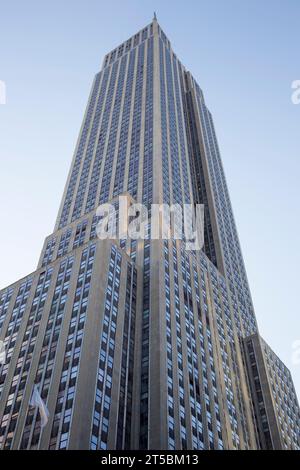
(154, 16)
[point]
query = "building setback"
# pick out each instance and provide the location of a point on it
(141, 344)
(274, 397)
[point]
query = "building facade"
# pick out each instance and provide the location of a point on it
(135, 344)
(274, 397)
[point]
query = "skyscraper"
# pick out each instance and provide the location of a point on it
(138, 343)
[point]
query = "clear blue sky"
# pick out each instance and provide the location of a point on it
(244, 54)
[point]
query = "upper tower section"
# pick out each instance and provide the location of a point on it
(133, 137)
(131, 43)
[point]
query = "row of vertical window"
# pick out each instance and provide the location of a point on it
(61, 424)
(100, 426)
(24, 360)
(32, 431)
